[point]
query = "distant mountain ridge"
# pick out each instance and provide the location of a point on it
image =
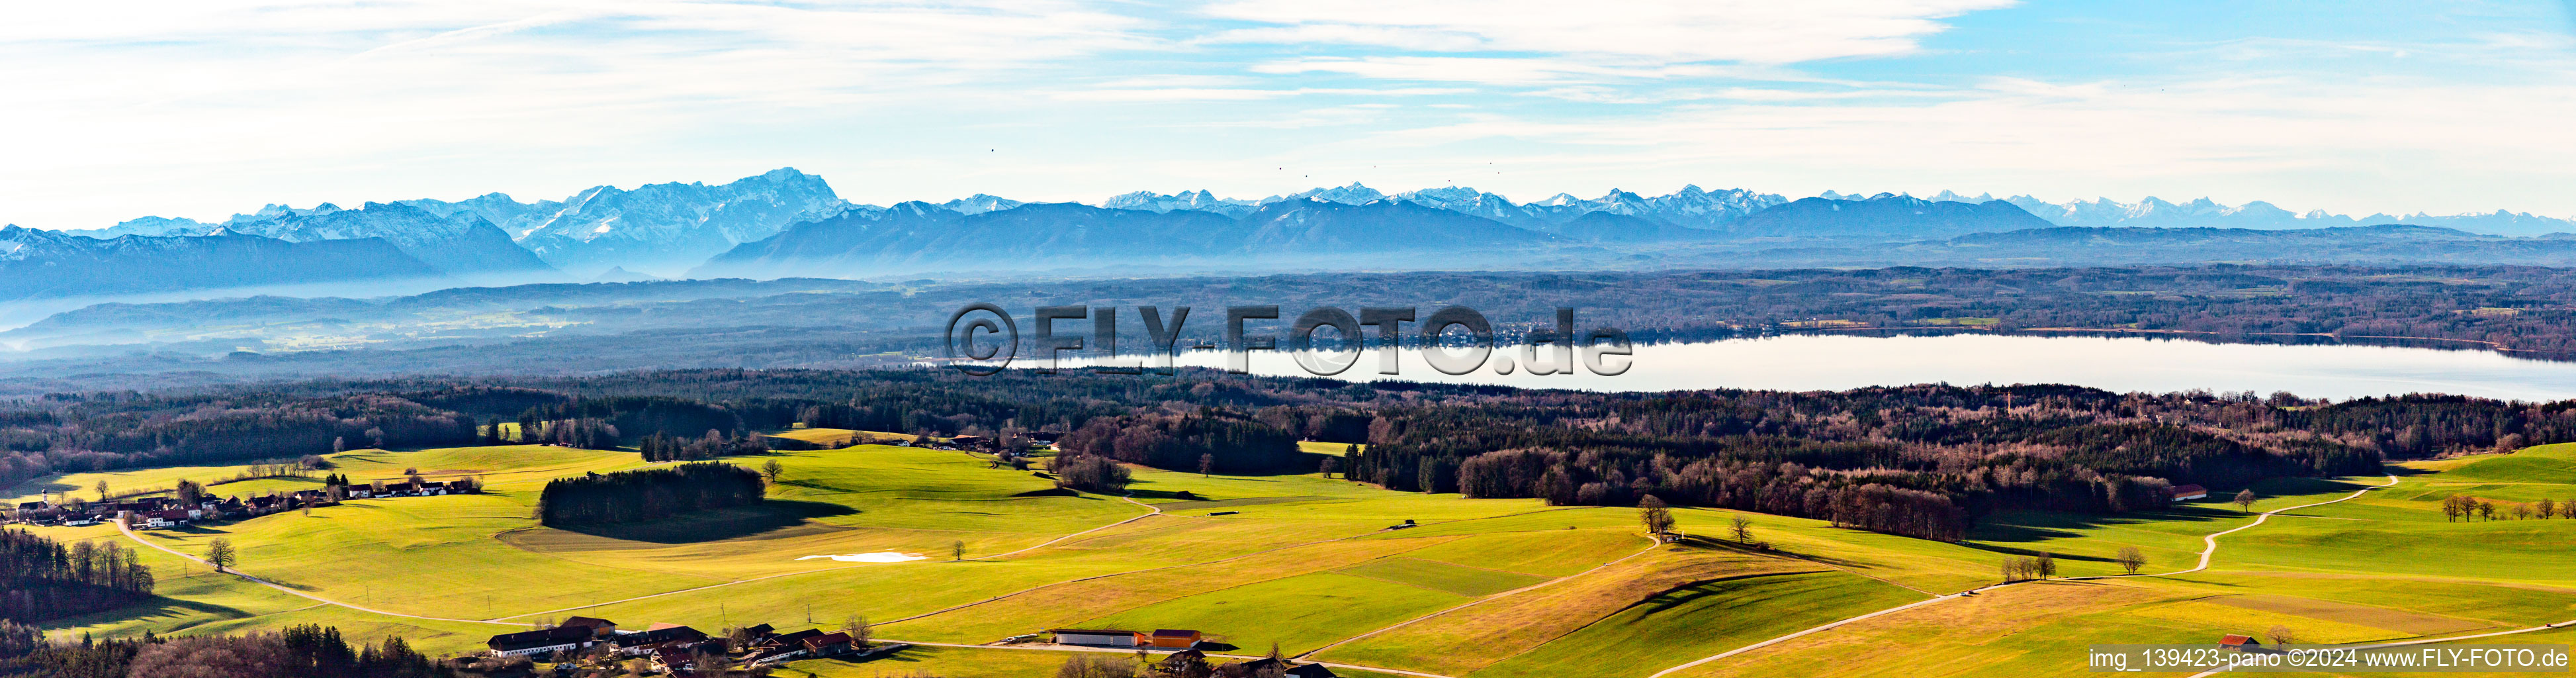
(786, 221)
(39, 264)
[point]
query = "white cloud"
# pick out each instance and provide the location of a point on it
(228, 89)
(1498, 70)
(1743, 31)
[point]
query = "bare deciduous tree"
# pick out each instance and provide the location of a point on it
(219, 553)
(2245, 500)
(2282, 635)
(2131, 559)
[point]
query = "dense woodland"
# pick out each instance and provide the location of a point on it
(42, 579)
(1919, 460)
(2526, 310)
(647, 494)
(296, 652)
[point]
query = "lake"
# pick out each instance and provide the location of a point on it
(1834, 362)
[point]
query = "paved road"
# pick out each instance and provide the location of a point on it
(2211, 548)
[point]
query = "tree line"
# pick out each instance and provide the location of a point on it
(1923, 460)
(647, 494)
(304, 651)
(44, 579)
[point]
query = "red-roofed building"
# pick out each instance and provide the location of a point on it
(2189, 492)
(1181, 638)
(828, 644)
(2237, 642)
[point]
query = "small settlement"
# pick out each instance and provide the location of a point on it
(673, 649)
(162, 512)
(1187, 654)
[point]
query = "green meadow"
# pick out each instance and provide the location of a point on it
(1432, 583)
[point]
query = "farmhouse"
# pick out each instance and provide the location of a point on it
(1111, 638)
(162, 519)
(540, 641)
(598, 627)
(1259, 667)
(2240, 643)
(2189, 492)
(827, 645)
(639, 643)
(1181, 638)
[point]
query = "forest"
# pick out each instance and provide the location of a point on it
(43, 579)
(1924, 460)
(647, 494)
(305, 651)
(2524, 310)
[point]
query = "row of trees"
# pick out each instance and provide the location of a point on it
(41, 578)
(1230, 443)
(664, 447)
(647, 494)
(73, 434)
(305, 651)
(2460, 506)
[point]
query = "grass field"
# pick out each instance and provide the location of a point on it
(1702, 619)
(1521, 589)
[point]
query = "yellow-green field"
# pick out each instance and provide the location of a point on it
(1498, 588)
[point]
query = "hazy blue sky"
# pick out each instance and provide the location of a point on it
(203, 108)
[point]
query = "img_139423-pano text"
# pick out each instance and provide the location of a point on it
(982, 339)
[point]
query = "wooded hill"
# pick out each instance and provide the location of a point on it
(1920, 460)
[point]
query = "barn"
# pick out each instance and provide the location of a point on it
(2189, 492)
(1109, 638)
(1181, 638)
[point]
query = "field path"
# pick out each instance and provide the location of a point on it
(129, 534)
(1150, 511)
(1650, 548)
(2212, 549)
(2212, 540)
(1040, 647)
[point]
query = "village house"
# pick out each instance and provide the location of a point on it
(1257, 667)
(640, 643)
(828, 645)
(2240, 643)
(164, 519)
(2189, 492)
(599, 628)
(786, 646)
(540, 641)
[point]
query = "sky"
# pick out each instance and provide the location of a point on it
(205, 108)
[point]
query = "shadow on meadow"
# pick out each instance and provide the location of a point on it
(719, 524)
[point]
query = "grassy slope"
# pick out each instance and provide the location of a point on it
(1696, 621)
(1307, 561)
(2385, 565)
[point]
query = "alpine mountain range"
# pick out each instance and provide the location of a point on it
(789, 223)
